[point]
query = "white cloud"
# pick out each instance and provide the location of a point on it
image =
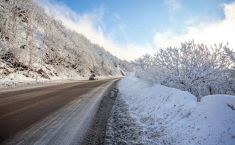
(220, 31)
(90, 25)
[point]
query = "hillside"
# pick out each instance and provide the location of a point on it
(35, 46)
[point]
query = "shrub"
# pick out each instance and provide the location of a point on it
(196, 68)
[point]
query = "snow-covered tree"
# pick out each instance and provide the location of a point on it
(34, 43)
(193, 67)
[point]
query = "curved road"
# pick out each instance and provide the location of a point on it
(52, 115)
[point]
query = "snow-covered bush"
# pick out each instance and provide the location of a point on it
(197, 68)
(146, 68)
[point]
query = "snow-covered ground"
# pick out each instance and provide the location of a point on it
(22, 79)
(171, 116)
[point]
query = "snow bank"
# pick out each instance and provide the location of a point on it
(172, 116)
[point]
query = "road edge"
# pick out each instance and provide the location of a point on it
(96, 132)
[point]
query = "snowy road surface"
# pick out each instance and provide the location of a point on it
(58, 114)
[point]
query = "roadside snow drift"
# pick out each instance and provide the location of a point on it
(172, 116)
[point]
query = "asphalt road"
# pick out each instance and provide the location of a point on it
(58, 114)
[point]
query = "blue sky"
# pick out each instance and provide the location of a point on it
(142, 18)
(144, 23)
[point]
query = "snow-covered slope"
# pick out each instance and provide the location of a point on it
(174, 117)
(35, 46)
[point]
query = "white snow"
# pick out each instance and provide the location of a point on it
(172, 116)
